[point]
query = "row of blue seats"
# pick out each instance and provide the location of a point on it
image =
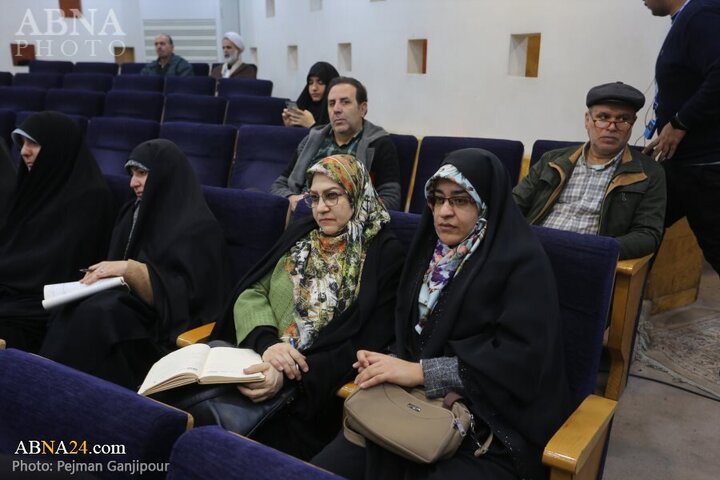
(46, 401)
(99, 82)
(111, 68)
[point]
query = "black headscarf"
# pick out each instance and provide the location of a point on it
(173, 225)
(60, 212)
(8, 174)
(499, 316)
(325, 72)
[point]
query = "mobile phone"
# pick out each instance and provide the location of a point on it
(290, 105)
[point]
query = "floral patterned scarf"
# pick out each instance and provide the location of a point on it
(446, 262)
(325, 270)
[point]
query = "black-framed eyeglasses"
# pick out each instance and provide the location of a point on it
(622, 125)
(461, 201)
(330, 199)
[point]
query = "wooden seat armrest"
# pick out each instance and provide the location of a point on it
(630, 277)
(196, 335)
(346, 390)
(575, 451)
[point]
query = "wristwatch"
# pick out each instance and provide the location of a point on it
(677, 124)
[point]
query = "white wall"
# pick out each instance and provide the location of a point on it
(467, 90)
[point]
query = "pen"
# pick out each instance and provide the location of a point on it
(293, 344)
(85, 270)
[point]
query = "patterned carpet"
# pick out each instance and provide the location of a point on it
(682, 347)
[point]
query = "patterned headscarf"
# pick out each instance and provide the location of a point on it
(326, 270)
(446, 261)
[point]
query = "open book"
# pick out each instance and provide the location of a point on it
(61, 293)
(200, 363)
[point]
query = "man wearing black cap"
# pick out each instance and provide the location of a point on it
(602, 187)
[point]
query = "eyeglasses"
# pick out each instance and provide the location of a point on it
(330, 199)
(436, 201)
(622, 125)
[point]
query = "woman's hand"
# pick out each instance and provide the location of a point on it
(286, 359)
(297, 117)
(104, 270)
(376, 368)
(268, 388)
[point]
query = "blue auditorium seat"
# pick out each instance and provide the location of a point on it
(407, 149)
(38, 80)
(50, 66)
(242, 211)
(142, 105)
(251, 109)
(194, 108)
(143, 83)
(209, 148)
(263, 152)
(434, 149)
(211, 452)
(231, 87)
(200, 69)
(131, 68)
(76, 102)
(540, 147)
(112, 139)
(96, 67)
(6, 79)
(22, 98)
(96, 82)
(190, 85)
(43, 400)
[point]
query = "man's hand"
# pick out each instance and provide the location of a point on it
(666, 143)
(286, 359)
(294, 199)
(376, 368)
(268, 388)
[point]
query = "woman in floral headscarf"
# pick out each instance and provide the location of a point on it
(325, 290)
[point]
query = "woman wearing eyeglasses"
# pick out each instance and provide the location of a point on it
(325, 290)
(477, 314)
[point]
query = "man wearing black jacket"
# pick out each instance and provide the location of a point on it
(687, 110)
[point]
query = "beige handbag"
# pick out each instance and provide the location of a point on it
(406, 423)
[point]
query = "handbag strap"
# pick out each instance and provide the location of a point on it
(450, 400)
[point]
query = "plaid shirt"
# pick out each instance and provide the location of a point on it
(330, 147)
(578, 207)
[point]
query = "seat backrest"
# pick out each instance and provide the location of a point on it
(434, 149)
(108, 68)
(263, 152)
(407, 149)
(200, 69)
(143, 105)
(250, 109)
(38, 80)
(540, 147)
(180, 107)
(584, 268)
(131, 68)
(231, 87)
(97, 82)
(112, 139)
(50, 66)
(209, 148)
(6, 79)
(22, 98)
(404, 225)
(211, 452)
(120, 188)
(77, 102)
(191, 85)
(43, 400)
(143, 83)
(251, 221)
